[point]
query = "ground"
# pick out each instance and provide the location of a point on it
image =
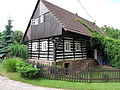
(7, 84)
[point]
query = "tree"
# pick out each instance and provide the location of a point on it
(18, 36)
(6, 39)
(111, 32)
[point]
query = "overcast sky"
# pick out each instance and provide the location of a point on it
(105, 12)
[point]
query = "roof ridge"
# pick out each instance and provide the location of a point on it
(65, 10)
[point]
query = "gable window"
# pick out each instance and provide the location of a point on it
(41, 18)
(35, 21)
(34, 46)
(77, 46)
(44, 46)
(67, 46)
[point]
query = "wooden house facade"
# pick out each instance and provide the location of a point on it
(54, 34)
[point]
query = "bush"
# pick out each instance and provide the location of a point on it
(10, 64)
(27, 70)
(18, 50)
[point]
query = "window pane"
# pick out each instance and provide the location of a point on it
(41, 18)
(67, 46)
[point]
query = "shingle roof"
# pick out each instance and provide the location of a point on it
(69, 20)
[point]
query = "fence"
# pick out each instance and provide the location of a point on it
(79, 75)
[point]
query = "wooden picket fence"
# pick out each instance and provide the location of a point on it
(79, 75)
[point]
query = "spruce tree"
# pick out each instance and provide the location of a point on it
(7, 39)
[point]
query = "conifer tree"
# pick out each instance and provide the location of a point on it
(6, 39)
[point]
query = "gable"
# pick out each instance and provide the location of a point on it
(50, 26)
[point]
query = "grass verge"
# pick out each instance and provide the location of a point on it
(61, 84)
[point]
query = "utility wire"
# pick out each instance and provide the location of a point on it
(86, 10)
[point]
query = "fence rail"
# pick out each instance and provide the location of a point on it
(79, 75)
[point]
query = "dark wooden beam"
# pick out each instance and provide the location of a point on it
(74, 48)
(63, 49)
(31, 49)
(48, 49)
(39, 49)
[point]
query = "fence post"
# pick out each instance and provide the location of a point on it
(90, 75)
(54, 74)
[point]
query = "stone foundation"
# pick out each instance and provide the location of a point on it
(51, 63)
(72, 64)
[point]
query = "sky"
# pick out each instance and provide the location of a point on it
(104, 12)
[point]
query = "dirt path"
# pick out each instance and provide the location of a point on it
(7, 84)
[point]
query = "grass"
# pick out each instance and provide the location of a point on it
(61, 84)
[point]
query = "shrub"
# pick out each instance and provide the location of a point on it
(10, 64)
(18, 50)
(27, 70)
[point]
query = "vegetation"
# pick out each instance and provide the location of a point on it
(6, 39)
(111, 32)
(18, 36)
(27, 70)
(110, 46)
(60, 84)
(10, 64)
(18, 50)
(17, 65)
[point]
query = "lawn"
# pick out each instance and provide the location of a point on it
(61, 84)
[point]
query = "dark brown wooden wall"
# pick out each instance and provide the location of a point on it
(50, 26)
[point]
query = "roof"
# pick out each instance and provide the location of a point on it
(68, 20)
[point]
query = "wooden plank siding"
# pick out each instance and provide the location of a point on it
(39, 53)
(61, 54)
(56, 50)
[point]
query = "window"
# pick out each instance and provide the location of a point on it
(44, 46)
(67, 46)
(41, 18)
(35, 21)
(77, 47)
(34, 46)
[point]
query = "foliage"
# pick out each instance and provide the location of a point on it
(18, 50)
(27, 70)
(111, 32)
(6, 39)
(18, 36)
(10, 64)
(60, 84)
(110, 46)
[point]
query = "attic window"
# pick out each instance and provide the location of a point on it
(41, 18)
(35, 21)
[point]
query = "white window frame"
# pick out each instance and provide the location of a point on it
(34, 46)
(44, 46)
(35, 21)
(77, 46)
(67, 46)
(41, 18)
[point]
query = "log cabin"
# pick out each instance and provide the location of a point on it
(54, 34)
